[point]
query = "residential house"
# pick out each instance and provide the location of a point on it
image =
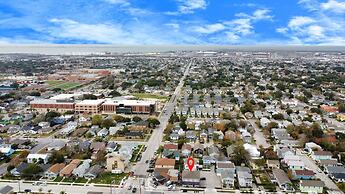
(337, 173)
(281, 179)
(116, 163)
(303, 174)
(218, 135)
(244, 176)
(173, 175)
(190, 178)
(264, 122)
(174, 136)
(165, 163)
(170, 146)
(222, 166)
(33, 158)
(111, 146)
(6, 150)
(67, 170)
(186, 150)
(54, 170)
(208, 161)
(230, 135)
(296, 165)
(17, 171)
(93, 172)
(96, 147)
(311, 186)
(191, 136)
(321, 155)
(103, 132)
(325, 163)
(198, 149)
(82, 168)
(213, 151)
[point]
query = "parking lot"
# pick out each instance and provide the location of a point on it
(212, 180)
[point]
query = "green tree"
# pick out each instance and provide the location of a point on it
(278, 116)
(341, 107)
(56, 157)
(51, 114)
(107, 123)
(89, 97)
(35, 93)
(240, 154)
(114, 93)
(153, 122)
(97, 120)
(136, 119)
(32, 171)
(183, 125)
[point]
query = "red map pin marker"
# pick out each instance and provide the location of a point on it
(190, 163)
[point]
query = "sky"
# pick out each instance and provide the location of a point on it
(165, 22)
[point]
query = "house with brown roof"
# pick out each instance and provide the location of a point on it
(67, 170)
(171, 146)
(54, 170)
(165, 163)
(303, 174)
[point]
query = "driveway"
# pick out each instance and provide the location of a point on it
(212, 180)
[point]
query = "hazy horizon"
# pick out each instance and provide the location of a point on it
(74, 49)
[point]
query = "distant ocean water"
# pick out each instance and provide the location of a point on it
(63, 49)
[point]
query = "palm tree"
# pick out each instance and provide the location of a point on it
(62, 192)
(49, 191)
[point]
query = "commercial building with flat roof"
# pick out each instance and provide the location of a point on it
(89, 106)
(45, 105)
(129, 107)
(104, 106)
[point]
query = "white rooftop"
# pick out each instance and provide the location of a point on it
(91, 102)
(48, 101)
(129, 102)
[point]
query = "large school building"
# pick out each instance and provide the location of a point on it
(99, 106)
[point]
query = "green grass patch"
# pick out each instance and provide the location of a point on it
(58, 179)
(147, 95)
(69, 180)
(68, 85)
(136, 152)
(80, 180)
(109, 178)
(54, 82)
(341, 186)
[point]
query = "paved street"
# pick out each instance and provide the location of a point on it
(157, 135)
(259, 137)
